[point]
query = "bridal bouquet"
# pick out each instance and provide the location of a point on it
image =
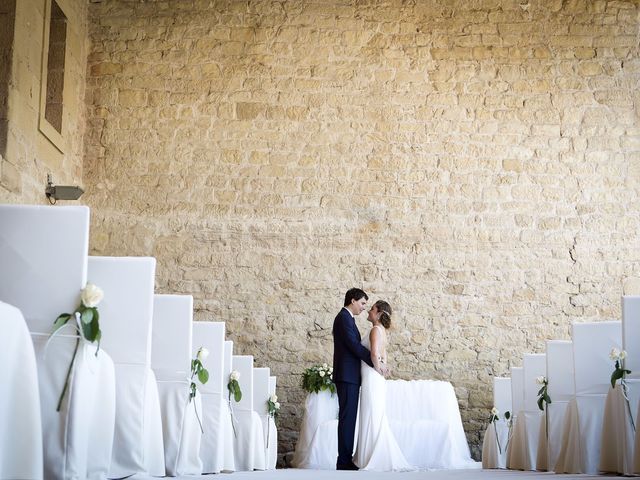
(87, 323)
(197, 369)
(318, 378)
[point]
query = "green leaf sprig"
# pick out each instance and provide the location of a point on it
(234, 387)
(619, 372)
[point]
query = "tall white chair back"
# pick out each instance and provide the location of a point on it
(561, 389)
(272, 445)
(517, 389)
(582, 433)
(517, 451)
(43, 257)
(171, 362)
(631, 334)
(534, 366)
(502, 395)
(126, 315)
(250, 451)
(215, 413)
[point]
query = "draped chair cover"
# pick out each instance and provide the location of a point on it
(20, 427)
(494, 445)
(214, 412)
(534, 366)
(260, 398)
(249, 440)
(272, 448)
(43, 253)
(126, 315)
(561, 390)
(517, 458)
(617, 450)
(171, 361)
(227, 421)
(582, 430)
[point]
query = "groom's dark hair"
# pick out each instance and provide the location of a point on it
(354, 294)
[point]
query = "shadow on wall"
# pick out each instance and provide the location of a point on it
(7, 21)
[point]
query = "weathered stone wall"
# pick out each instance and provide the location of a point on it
(26, 154)
(475, 163)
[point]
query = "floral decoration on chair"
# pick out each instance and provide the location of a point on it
(197, 369)
(233, 386)
(493, 419)
(87, 324)
(544, 400)
(619, 373)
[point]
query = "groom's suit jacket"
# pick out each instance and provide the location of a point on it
(347, 349)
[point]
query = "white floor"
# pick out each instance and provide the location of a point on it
(295, 474)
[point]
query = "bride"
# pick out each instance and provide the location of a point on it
(377, 448)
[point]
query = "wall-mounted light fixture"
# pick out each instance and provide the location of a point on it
(61, 192)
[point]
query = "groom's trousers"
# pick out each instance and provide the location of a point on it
(348, 397)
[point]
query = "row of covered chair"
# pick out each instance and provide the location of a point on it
(589, 426)
(126, 407)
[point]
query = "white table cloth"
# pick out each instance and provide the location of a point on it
(228, 433)
(272, 446)
(171, 362)
(53, 270)
(20, 427)
(215, 415)
(249, 439)
(561, 389)
(126, 314)
(618, 436)
(427, 427)
(494, 445)
(582, 432)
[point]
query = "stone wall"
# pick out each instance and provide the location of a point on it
(26, 154)
(476, 164)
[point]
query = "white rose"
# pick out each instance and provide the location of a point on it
(235, 375)
(495, 411)
(203, 353)
(325, 366)
(614, 354)
(540, 380)
(277, 405)
(321, 373)
(623, 354)
(274, 398)
(91, 295)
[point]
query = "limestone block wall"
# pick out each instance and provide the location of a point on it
(26, 154)
(476, 164)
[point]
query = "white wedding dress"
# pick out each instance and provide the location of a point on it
(377, 448)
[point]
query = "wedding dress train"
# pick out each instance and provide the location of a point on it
(377, 448)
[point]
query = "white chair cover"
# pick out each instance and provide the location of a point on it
(249, 440)
(260, 397)
(534, 366)
(317, 446)
(20, 428)
(272, 447)
(582, 431)
(214, 414)
(617, 449)
(171, 362)
(229, 432)
(494, 445)
(517, 457)
(53, 269)
(561, 390)
(126, 314)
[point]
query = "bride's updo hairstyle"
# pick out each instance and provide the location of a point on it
(384, 309)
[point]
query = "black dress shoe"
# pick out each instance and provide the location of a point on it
(347, 466)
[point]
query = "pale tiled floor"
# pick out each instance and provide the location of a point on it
(295, 474)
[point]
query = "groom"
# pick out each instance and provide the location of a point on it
(347, 353)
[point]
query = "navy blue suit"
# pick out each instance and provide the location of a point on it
(347, 354)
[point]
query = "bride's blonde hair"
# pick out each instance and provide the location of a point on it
(384, 309)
